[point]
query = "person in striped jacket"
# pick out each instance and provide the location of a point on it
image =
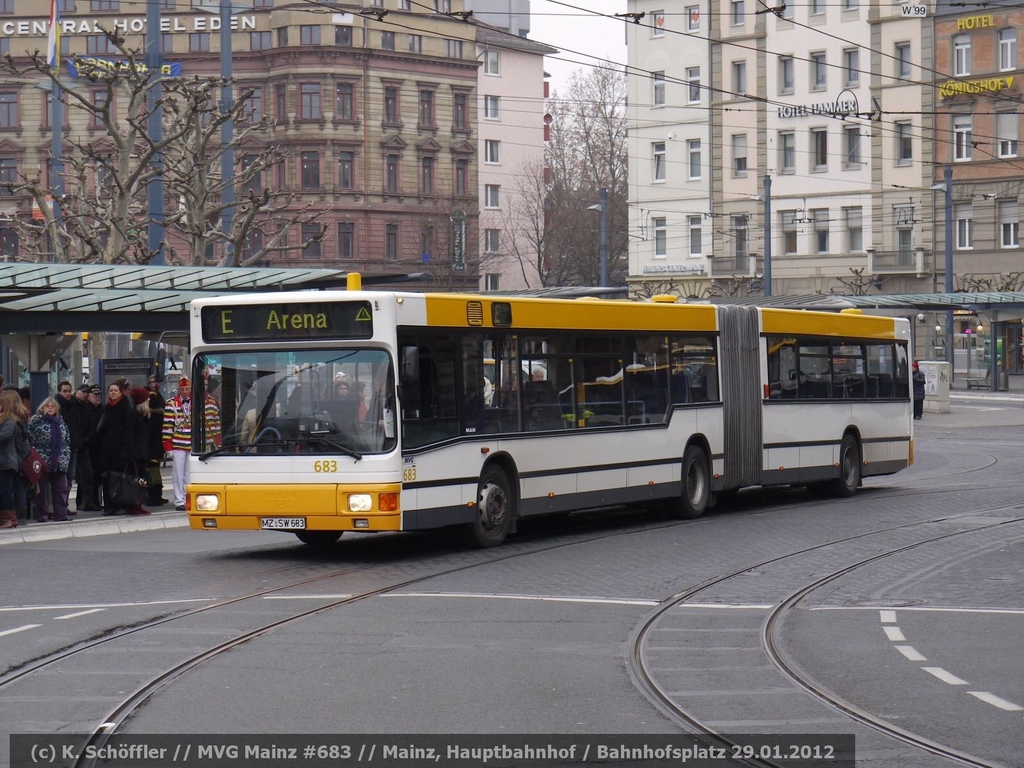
(178, 438)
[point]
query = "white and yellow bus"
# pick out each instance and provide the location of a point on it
(366, 410)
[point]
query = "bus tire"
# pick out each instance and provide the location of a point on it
(494, 510)
(849, 468)
(696, 491)
(318, 538)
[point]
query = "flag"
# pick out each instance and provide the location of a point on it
(53, 42)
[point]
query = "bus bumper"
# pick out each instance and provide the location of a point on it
(322, 507)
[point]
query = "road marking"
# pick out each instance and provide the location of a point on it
(306, 597)
(80, 613)
(944, 676)
(19, 629)
(995, 701)
(894, 634)
(540, 598)
(909, 652)
(740, 607)
(1006, 611)
(887, 617)
(106, 605)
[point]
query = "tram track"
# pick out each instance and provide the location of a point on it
(774, 648)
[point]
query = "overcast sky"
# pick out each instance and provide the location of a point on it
(575, 30)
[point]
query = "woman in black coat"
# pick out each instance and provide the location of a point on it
(123, 444)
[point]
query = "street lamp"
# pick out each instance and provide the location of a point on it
(155, 128)
(603, 208)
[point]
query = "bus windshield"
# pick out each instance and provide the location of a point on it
(322, 401)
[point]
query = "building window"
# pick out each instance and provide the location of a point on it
(343, 97)
(166, 43)
(310, 162)
(737, 13)
(461, 176)
(853, 220)
(453, 49)
(819, 146)
(199, 42)
(391, 241)
(739, 78)
(658, 80)
(104, 5)
(492, 63)
(100, 44)
(787, 152)
(309, 101)
(693, 85)
(259, 41)
(391, 106)
(343, 35)
(99, 101)
(851, 67)
(787, 11)
(443, 6)
(741, 239)
(346, 169)
(820, 218)
(1009, 224)
(263, 4)
(415, 43)
(961, 55)
(904, 217)
(789, 231)
(69, 6)
(1007, 50)
(904, 144)
(785, 74)
(427, 175)
(903, 59)
(693, 18)
(851, 5)
(311, 241)
(492, 107)
(8, 174)
(10, 116)
(426, 110)
(492, 151)
(817, 7)
(426, 243)
(1006, 133)
(963, 137)
(492, 196)
(387, 41)
(391, 174)
(282, 37)
(281, 101)
(346, 240)
(660, 237)
(819, 72)
(492, 240)
(491, 282)
(963, 213)
(696, 236)
(309, 34)
(693, 155)
(253, 111)
(851, 148)
(659, 161)
(460, 116)
(657, 23)
(739, 154)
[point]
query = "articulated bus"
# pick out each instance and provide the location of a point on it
(357, 410)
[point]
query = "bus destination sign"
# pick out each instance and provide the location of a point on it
(307, 321)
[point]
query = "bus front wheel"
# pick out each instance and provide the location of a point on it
(318, 538)
(849, 468)
(495, 509)
(696, 486)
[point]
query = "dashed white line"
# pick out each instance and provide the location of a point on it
(539, 598)
(920, 609)
(65, 607)
(19, 629)
(740, 607)
(944, 676)
(910, 652)
(80, 613)
(887, 617)
(995, 701)
(894, 634)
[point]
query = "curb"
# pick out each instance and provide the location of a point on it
(81, 529)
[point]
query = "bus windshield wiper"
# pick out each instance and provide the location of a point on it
(337, 446)
(282, 442)
(223, 449)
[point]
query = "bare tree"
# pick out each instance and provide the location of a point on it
(103, 212)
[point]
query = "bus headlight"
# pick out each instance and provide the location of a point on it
(360, 502)
(207, 502)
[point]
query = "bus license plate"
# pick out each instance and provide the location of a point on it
(283, 523)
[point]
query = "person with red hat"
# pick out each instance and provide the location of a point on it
(919, 381)
(178, 438)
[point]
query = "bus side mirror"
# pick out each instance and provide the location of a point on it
(410, 364)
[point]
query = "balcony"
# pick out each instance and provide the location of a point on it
(902, 262)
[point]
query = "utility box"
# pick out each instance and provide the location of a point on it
(937, 375)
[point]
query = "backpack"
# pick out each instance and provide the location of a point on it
(21, 443)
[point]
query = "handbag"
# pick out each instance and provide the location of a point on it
(33, 467)
(125, 490)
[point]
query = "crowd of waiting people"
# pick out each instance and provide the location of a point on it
(89, 442)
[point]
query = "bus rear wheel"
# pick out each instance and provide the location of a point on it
(318, 538)
(849, 468)
(495, 509)
(696, 486)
